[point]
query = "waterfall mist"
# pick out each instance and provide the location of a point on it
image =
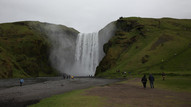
(62, 53)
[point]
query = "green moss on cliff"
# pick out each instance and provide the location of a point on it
(24, 49)
(143, 45)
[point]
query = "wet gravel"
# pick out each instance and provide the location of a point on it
(35, 89)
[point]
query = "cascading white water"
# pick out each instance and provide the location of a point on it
(87, 54)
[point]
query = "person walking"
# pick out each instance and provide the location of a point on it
(144, 81)
(151, 79)
(21, 81)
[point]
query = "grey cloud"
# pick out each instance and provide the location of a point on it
(90, 15)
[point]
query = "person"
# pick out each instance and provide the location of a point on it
(144, 81)
(21, 81)
(64, 76)
(151, 79)
(124, 74)
(163, 76)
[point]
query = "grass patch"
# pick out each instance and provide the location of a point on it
(176, 83)
(173, 83)
(71, 99)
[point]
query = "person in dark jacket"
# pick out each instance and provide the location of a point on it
(151, 79)
(144, 81)
(163, 76)
(21, 82)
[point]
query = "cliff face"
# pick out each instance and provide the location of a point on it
(144, 45)
(25, 48)
(105, 35)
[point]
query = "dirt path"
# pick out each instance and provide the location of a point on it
(29, 94)
(132, 95)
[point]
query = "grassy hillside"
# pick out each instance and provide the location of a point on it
(24, 48)
(145, 45)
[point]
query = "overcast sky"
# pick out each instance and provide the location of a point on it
(90, 15)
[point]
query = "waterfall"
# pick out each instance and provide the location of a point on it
(86, 55)
(77, 55)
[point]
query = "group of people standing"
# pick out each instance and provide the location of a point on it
(151, 80)
(68, 77)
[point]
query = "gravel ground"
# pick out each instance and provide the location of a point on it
(130, 94)
(12, 95)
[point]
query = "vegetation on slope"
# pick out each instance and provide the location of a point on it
(24, 48)
(144, 45)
